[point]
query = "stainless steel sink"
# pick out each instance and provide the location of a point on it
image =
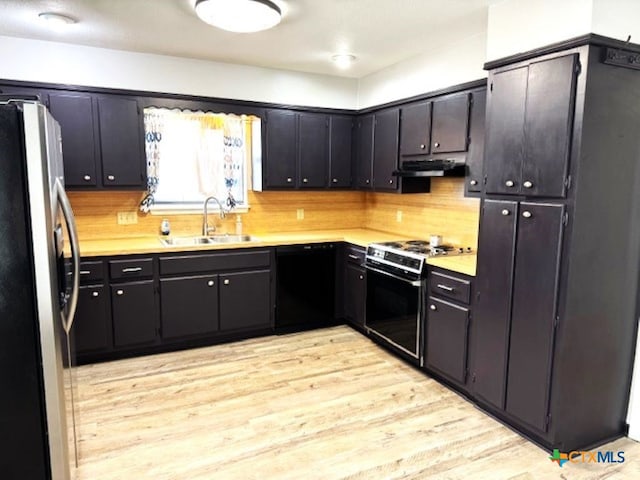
(199, 240)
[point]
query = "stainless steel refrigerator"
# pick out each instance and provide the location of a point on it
(39, 264)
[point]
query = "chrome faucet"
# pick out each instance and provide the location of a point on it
(206, 229)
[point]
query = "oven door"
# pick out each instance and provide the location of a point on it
(394, 310)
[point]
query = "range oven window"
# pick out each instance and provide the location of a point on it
(393, 310)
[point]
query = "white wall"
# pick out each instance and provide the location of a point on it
(435, 69)
(617, 19)
(35, 60)
(516, 26)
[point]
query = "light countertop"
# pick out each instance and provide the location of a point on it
(465, 264)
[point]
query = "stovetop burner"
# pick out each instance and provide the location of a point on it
(422, 243)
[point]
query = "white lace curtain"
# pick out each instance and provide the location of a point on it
(193, 155)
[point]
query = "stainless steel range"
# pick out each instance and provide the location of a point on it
(396, 291)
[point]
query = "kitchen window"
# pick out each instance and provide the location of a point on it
(193, 155)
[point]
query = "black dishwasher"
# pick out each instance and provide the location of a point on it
(305, 286)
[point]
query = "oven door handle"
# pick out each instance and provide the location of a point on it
(413, 283)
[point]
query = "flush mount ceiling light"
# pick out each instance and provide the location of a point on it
(56, 20)
(343, 60)
(240, 16)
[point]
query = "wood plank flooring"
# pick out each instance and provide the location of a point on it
(326, 404)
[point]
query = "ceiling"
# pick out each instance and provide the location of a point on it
(379, 32)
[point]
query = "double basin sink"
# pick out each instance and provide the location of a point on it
(210, 240)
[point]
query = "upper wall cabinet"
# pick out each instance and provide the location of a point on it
(415, 129)
(529, 123)
(475, 155)
(364, 152)
(121, 142)
(450, 123)
(385, 149)
(305, 150)
(75, 114)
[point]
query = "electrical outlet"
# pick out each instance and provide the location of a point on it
(127, 218)
(300, 213)
(399, 216)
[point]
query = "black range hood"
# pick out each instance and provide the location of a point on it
(434, 167)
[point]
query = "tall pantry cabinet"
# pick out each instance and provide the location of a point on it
(556, 303)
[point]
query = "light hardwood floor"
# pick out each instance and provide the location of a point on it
(325, 404)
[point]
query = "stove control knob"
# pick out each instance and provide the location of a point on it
(461, 250)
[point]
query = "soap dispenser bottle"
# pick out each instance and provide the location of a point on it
(238, 225)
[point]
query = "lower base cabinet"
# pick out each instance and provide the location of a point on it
(134, 313)
(189, 306)
(92, 323)
(245, 300)
(355, 296)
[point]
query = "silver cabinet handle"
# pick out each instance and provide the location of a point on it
(226, 281)
(527, 184)
(367, 181)
(85, 272)
(473, 182)
(289, 179)
(526, 214)
(505, 212)
(305, 180)
(436, 144)
(509, 183)
(354, 257)
(433, 307)
(361, 277)
(94, 294)
(211, 283)
(119, 292)
(445, 287)
(131, 269)
(87, 178)
(391, 182)
(335, 180)
(422, 146)
(111, 178)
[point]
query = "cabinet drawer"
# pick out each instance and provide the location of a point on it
(355, 254)
(208, 263)
(450, 287)
(138, 268)
(91, 272)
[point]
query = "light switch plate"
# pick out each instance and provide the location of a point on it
(300, 213)
(127, 218)
(399, 216)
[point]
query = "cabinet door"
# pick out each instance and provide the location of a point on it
(244, 300)
(313, 150)
(504, 142)
(446, 346)
(475, 156)
(385, 149)
(450, 123)
(280, 142)
(355, 294)
(188, 306)
(74, 113)
(364, 152)
(134, 313)
(534, 310)
(92, 323)
(42, 95)
(340, 140)
(415, 129)
(121, 134)
(492, 307)
(548, 125)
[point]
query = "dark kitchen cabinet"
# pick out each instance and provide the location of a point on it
(188, 306)
(355, 286)
(20, 91)
(245, 300)
(134, 313)
(364, 152)
(415, 129)
(313, 144)
(450, 123)
(92, 322)
(385, 149)
(446, 345)
(75, 114)
(475, 156)
(340, 150)
(121, 142)
(529, 124)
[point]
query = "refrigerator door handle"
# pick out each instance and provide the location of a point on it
(67, 212)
